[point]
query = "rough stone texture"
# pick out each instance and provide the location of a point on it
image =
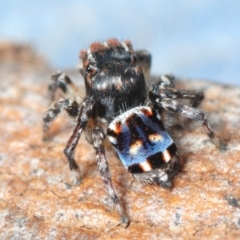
(37, 200)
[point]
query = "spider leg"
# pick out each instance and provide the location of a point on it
(84, 114)
(62, 81)
(163, 89)
(188, 112)
(72, 108)
(70, 103)
(51, 114)
(98, 138)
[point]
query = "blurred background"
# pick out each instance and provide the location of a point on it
(193, 39)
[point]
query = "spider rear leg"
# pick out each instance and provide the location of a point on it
(98, 138)
(188, 112)
(84, 115)
(161, 176)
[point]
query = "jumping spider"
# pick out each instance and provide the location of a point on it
(117, 95)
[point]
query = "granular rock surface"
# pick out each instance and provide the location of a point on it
(37, 200)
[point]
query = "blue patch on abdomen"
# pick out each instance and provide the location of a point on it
(143, 138)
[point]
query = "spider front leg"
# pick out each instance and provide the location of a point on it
(84, 115)
(72, 108)
(62, 81)
(51, 114)
(98, 138)
(70, 103)
(188, 112)
(165, 89)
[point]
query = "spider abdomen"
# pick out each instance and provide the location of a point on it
(141, 141)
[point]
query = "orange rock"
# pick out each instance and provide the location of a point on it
(37, 200)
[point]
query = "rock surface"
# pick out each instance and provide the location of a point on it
(37, 200)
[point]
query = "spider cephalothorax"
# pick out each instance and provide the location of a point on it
(112, 77)
(117, 95)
